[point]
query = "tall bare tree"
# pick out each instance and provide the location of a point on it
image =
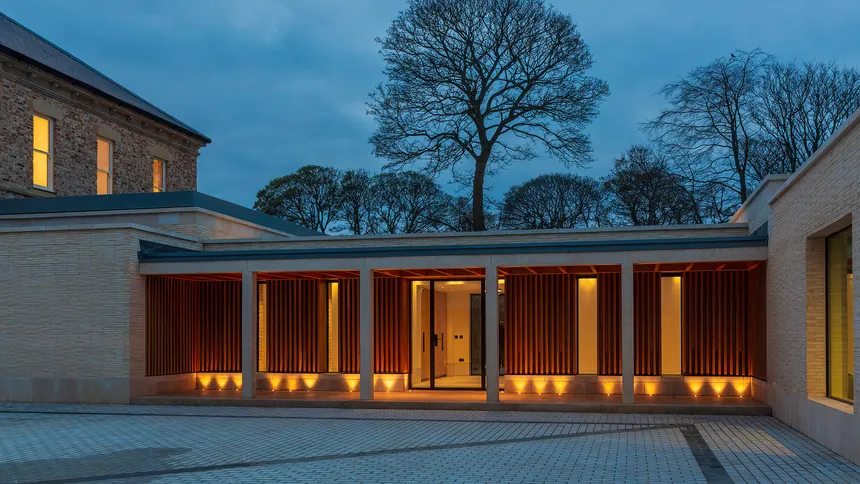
(711, 120)
(485, 81)
(308, 197)
(553, 201)
(356, 202)
(643, 191)
(799, 106)
(408, 202)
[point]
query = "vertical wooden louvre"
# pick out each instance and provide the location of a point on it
(540, 325)
(646, 322)
(715, 323)
(221, 326)
(391, 325)
(348, 325)
(295, 328)
(609, 324)
(192, 326)
(757, 305)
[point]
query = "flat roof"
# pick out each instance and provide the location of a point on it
(149, 201)
(23, 42)
(578, 246)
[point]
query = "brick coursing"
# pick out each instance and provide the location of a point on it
(75, 136)
(825, 194)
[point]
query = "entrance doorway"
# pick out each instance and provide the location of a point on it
(448, 334)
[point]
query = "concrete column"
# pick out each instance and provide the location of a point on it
(249, 334)
(492, 333)
(366, 334)
(627, 341)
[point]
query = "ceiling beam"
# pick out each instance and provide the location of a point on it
(689, 266)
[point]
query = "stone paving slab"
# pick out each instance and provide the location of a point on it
(81, 443)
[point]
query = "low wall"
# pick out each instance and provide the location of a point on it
(643, 385)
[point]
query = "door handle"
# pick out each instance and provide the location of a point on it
(443, 341)
(434, 340)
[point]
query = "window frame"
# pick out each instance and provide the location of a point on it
(109, 173)
(163, 187)
(827, 313)
(50, 168)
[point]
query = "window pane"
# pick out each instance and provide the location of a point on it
(840, 328)
(41, 134)
(157, 174)
(104, 155)
(333, 326)
(103, 185)
(40, 169)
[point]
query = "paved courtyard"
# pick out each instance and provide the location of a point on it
(77, 443)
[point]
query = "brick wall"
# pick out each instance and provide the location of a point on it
(76, 129)
(810, 209)
(72, 314)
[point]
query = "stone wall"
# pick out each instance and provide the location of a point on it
(76, 129)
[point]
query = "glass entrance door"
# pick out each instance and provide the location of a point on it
(448, 334)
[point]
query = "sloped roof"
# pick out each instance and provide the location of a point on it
(24, 43)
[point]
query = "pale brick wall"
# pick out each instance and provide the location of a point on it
(826, 193)
(75, 134)
(72, 313)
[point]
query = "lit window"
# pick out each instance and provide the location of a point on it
(587, 302)
(104, 173)
(43, 152)
(333, 328)
(159, 174)
(840, 327)
(670, 325)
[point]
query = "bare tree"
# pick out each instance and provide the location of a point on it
(308, 197)
(553, 201)
(459, 216)
(408, 202)
(711, 122)
(644, 192)
(485, 81)
(798, 107)
(356, 203)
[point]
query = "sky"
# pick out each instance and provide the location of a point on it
(280, 84)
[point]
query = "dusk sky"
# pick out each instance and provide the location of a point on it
(281, 84)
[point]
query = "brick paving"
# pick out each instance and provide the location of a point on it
(136, 444)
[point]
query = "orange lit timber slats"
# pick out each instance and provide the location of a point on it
(757, 305)
(646, 321)
(295, 330)
(715, 323)
(172, 326)
(192, 326)
(348, 321)
(391, 325)
(608, 324)
(540, 325)
(221, 326)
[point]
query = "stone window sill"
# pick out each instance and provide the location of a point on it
(834, 404)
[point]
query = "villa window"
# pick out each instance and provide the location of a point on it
(104, 167)
(840, 328)
(43, 152)
(670, 324)
(587, 307)
(159, 172)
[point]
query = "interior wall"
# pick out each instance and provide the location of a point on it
(458, 332)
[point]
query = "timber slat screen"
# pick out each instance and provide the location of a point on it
(540, 325)
(390, 325)
(609, 324)
(295, 331)
(348, 325)
(718, 323)
(646, 317)
(758, 321)
(192, 326)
